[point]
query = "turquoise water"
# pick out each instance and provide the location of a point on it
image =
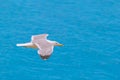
(89, 30)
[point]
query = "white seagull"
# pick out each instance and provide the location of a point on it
(45, 47)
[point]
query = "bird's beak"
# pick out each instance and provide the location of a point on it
(60, 45)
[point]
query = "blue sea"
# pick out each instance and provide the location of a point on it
(89, 30)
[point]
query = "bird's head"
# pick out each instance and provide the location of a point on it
(55, 43)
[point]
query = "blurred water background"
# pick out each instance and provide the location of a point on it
(89, 30)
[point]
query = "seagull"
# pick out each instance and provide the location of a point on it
(44, 46)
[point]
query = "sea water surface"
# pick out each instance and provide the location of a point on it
(89, 30)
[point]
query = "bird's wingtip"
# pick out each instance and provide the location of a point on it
(18, 44)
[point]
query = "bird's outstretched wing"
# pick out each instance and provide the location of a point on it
(44, 52)
(39, 37)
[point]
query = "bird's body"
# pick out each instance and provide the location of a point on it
(45, 47)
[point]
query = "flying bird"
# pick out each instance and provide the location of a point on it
(44, 46)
